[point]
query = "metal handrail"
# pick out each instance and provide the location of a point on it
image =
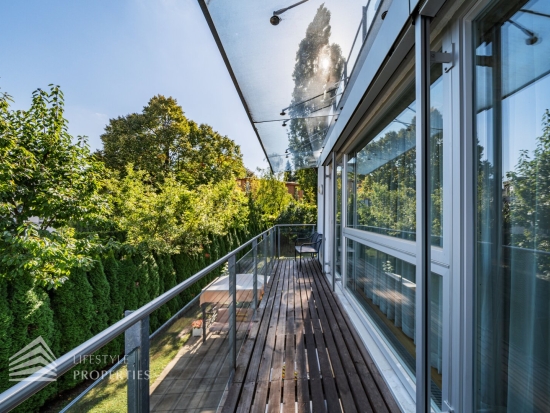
(23, 390)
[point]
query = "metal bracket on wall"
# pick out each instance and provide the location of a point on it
(444, 57)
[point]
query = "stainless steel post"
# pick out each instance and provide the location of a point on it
(279, 242)
(265, 259)
(203, 306)
(255, 273)
(272, 237)
(136, 349)
(232, 313)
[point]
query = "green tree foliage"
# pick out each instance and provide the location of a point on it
(32, 317)
(270, 196)
(74, 310)
(46, 181)
(100, 292)
(298, 213)
(318, 68)
(116, 292)
(167, 217)
(527, 206)
(128, 272)
(307, 180)
(386, 196)
(6, 332)
(162, 141)
(170, 199)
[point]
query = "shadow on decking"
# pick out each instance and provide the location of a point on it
(299, 353)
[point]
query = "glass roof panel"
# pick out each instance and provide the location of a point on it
(291, 74)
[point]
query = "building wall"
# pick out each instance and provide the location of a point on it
(489, 159)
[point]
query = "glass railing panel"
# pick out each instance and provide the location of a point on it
(189, 340)
(250, 290)
(189, 363)
(108, 385)
(292, 235)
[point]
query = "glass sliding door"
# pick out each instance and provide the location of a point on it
(512, 268)
(385, 286)
(382, 194)
(381, 208)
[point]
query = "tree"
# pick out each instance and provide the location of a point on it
(74, 297)
(162, 141)
(527, 207)
(298, 213)
(317, 71)
(270, 196)
(48, 184)
(167, 218)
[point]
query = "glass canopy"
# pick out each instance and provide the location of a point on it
(290, 61)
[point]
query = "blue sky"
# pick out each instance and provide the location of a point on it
(110, 57)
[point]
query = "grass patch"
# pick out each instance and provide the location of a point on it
(111, 394)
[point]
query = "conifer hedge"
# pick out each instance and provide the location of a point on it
(89, 301)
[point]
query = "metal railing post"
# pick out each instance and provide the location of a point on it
(136, 348)
(203, 307)
(232, 314)
(272, 252)
(255, 273)
(279, 242)
(265, 260)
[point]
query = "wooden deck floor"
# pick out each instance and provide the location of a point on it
(302, 354)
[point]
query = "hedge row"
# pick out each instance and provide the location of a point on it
(89, 302)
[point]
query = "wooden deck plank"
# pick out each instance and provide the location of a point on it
(289, 389)
(302, 387)
(264, 371)
(374, 375)
(275, 391)
(316, 386)
(302, 351)
(340, 374)
(244, 358)
(327, 379)
(350, 354)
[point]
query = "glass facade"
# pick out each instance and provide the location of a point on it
(382, 175)
(512, 140)
(338, 229)
(385, 287)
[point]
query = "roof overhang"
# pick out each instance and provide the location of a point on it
(290, 76)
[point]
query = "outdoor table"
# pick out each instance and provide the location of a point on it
(218, 293)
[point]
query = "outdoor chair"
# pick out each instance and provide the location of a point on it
(312, 247)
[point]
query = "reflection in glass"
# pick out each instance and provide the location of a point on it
(338, 220)
(317, 71)
(383, 198)
(512, 129)
(386, 288)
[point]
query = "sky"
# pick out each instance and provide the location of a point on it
(111, 57)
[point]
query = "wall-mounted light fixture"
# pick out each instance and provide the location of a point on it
(531, 39)
(275, 19)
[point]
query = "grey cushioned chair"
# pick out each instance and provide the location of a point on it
(312, 247)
